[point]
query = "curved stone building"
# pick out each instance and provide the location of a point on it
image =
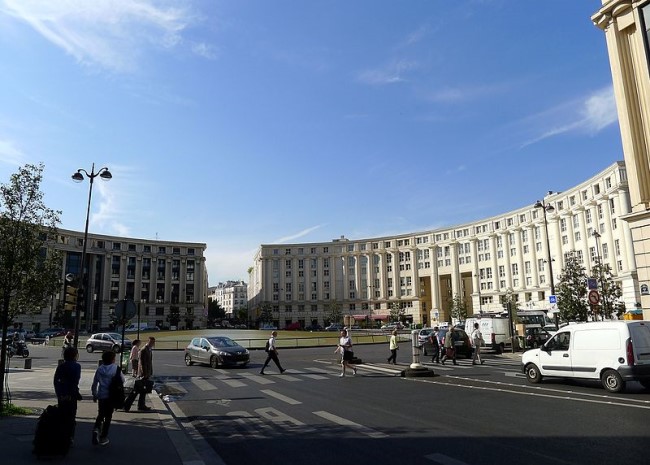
(478, 262)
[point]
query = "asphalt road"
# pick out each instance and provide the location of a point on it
(465, 415)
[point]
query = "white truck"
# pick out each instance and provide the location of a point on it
(496, 331)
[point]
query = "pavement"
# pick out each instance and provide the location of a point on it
(135, 437)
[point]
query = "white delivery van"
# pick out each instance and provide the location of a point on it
(496, 331)
(610, 351)
(135, 327)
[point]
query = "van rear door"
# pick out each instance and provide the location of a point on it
(640, 333)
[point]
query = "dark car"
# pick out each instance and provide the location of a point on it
(106, 342)
(216, 351)
(314, 328)
(461, 341)
(536, 337)
(334, 327)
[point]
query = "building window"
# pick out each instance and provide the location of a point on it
(117, 246)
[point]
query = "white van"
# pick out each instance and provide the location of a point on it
(612, 351)
(135, 327)
(496, 331)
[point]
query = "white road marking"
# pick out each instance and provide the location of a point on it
(259, 379)
(282, 419)
(203, 384)
(175, 386)
(444, 459)
(231, 382)
(281, 397)
(315, 376)
(345, 422)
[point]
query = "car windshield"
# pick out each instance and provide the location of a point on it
(222, 342)
(116, 336)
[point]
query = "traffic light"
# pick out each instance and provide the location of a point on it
(70, 303)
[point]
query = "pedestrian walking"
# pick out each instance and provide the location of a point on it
(477, 341)
(435, 345)
(145, 372)
(272, 354)
(66, 386)
(68, 341)
(393, 348)
(101, 394)
(345, 349)
(134, 357)
(450, 349)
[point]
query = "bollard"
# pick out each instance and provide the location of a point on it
(28, 364)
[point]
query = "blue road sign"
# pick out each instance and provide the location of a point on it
(592, 283)
(552, 299)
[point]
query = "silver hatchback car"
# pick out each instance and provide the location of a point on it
(106, 342)
(216, 351)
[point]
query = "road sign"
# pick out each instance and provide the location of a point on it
(592, 283)
(594, 297)
(125, 309)
(552, 299)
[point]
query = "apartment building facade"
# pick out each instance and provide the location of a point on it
(231, 296)
(157, 275)
(478, 262)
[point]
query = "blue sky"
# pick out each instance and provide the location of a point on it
(248, 122)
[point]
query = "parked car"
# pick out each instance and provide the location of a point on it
(334, 327)
(52, 332)
(392, 326)
(295, 326)
(216, 351)
(314, 328)
(462, 343)
(535, 337)
(105, 342)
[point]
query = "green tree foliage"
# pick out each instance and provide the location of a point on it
(29, 270)
(265, 313)
(397, 312)
(215, 312)
(458, 308)
(571, 290)
(610, 292)
(333, 312)
(174, 315)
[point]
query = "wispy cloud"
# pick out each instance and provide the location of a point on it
(110, 34)
(457, 169)
(10, 154)
(299, 234)
(392, 73)
(588, 116)
(465, 93)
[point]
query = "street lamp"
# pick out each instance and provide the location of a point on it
(106, 175)
(599, 261)
(549, 208)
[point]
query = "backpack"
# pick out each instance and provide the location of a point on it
(267, 347)
(116, 390)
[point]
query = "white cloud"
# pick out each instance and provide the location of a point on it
(588, 116)
(389, 74)
(299, 234)
(10, 154)
(111, 34)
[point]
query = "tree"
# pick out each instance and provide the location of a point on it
(189, 318)
(572, 290)
(215, 312)
(29, 270)
(265, 313)
(333, 311)
(174, 315)
(610, 291)
(458, 308)
(397, 312)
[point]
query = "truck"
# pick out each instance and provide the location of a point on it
(496, 331)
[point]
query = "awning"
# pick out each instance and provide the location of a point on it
(374, 316)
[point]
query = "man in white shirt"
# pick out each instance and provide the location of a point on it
(272, 352)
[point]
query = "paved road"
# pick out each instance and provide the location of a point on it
(466, 415)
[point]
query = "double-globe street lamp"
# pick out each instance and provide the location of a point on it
(106, 175)
(548, 208)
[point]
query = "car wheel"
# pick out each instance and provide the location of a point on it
(89, 349)
(188, 360)
(116, 348)
(612, 381)
(532, 373)
(25, 353)
(214, 361)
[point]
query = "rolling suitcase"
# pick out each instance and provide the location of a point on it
(53, 434)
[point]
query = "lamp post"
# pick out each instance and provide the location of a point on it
(549, 208)
(106, 175)
(599, 261)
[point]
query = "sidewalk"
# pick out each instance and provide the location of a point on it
(135, 437)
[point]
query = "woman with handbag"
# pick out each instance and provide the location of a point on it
(450, 349)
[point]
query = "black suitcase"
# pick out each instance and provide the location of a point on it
(53, 434)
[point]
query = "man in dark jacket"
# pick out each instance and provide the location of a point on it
(145, 372)
(66, 386)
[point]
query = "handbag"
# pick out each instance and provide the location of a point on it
(116, 390)
(143, 386)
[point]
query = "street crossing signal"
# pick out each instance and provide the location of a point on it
(70, 303)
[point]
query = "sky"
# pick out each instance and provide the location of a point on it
(246, 122)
